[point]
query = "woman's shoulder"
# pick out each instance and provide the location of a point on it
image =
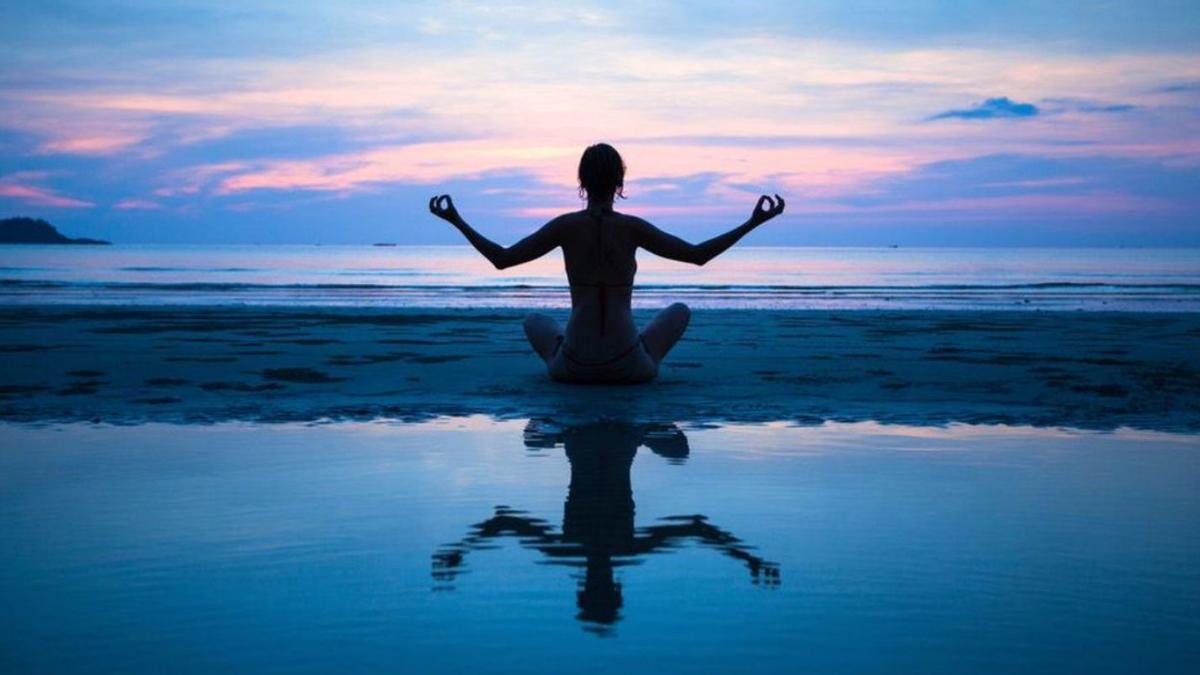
(631, 221)
(572, 216)
(618, 216)
(611, 216)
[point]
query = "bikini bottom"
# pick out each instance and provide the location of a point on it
(630, 366)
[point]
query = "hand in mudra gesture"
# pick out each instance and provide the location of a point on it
(443, 207)
(766, 209)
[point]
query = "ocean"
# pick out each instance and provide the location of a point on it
(1150, 279)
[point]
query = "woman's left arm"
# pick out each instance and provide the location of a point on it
(532, 247)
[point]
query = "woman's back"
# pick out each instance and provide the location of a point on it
(599, 254)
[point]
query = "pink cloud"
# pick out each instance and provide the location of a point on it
(966, 209)
(812, 169)
(646, 210)
(193, 179)
(137, 205)
(105, 144)
(417, 163)
(816, 88)
(15, 187)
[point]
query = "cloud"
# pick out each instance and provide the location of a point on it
(193, 180)
(1041, 207)
(1117, 107)
(23, 188)
(996, 188)
(1004, 107)
(137, 205)
(89, 145)
(807, 169)
(1180, 88)
(1066, 105)
(992, 108)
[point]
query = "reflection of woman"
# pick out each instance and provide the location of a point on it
(601, 342)
(598, 532)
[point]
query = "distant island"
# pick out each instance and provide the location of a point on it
(37, 231)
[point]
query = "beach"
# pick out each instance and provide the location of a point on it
(1091, 370)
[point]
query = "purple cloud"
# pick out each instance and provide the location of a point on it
(993, 108)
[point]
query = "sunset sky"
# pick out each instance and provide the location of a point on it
(921, 123)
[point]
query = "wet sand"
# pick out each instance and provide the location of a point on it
(1088, 370)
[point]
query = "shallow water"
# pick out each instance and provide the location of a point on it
(743, 278)
(516, 546)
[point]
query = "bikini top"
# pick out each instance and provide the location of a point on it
(600, 286)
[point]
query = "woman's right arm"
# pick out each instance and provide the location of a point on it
(669, 246)
(532, 247)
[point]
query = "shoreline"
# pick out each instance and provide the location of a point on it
(126, 365)
(807, 278)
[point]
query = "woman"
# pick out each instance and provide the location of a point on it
(601, 342)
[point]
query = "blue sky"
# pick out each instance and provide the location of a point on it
(934, 123)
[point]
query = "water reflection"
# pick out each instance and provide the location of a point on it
(598, 532)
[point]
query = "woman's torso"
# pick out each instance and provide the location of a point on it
(598, 251)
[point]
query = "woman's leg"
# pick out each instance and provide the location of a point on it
(665, 330)
(543, 334)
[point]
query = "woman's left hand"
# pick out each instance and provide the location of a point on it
(443, 207)
(766, 209)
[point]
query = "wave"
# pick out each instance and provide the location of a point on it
(749, 288)
(1041, 295)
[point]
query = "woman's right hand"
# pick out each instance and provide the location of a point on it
(766, 209)
(443, 207)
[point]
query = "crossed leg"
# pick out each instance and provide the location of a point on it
(543, 334)
(659, 336)
(665, 329)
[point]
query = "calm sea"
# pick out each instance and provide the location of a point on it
(747, 277)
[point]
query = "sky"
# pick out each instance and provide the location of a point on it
(927, 122)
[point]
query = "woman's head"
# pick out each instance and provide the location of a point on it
(601, 173)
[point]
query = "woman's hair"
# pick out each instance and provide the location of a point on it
(602, 173)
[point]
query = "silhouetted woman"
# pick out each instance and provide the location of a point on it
(601, 342)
